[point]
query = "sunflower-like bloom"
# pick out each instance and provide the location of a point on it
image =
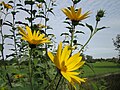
(34, 38)
(67, 65)
(74, 15)
(8, 6)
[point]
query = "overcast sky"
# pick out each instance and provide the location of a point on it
(101, 45)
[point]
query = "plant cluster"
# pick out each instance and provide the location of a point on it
(34, 63)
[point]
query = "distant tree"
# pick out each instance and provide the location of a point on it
(116, 43)
(89, 59)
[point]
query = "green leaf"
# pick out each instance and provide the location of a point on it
(24, 9)
(66, 22)
(40, 1)
(19, 5)
(65, 41)
(51, 11)
(90, 27)
(101, 28)
(64, 34)
(10, 1)
(69, 28)
(8, 23)
(35, 61)
(29, 2)
(80, 32)
(81, 24)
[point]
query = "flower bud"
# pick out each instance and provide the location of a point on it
(100, 13)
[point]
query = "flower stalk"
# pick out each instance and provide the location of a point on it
(2, 53)
(30, 69)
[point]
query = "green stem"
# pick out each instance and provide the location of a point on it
(91, 35)
(58, 82)
(72, 37)
(2, 52)
(30, 69)
(52, 81)
(14, 35)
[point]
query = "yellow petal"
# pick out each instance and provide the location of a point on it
(73, 12)
(76, 66)
(73, 73)
(67, 55)
(34, 34)
(67, 12)
(37, 34)
(74, 62)
(66, 76)
(64, 52)
(70, 60)
(59, 51)
(78, 14)
(41, 36)
(51, 56)
(29, 32)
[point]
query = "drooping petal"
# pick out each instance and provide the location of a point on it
(66, 76)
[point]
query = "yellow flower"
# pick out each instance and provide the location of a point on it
(74, 15)
(8, 6)
(67, 65)
(18, 76)
(34, 38)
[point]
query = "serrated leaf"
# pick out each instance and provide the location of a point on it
(90, 27)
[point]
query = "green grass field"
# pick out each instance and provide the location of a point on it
(100, 68)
